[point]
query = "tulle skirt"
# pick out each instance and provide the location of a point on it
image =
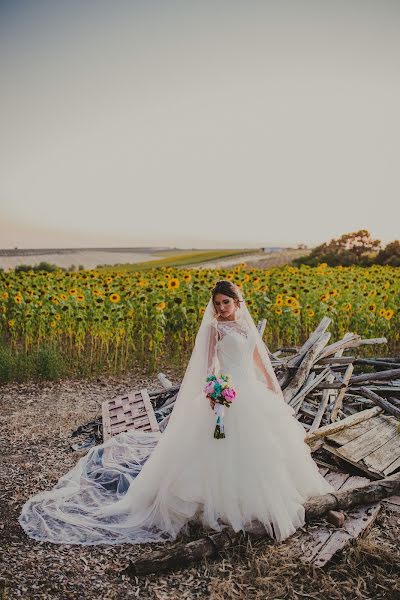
(146, 487)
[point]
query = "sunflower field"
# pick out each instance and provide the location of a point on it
(94, 322)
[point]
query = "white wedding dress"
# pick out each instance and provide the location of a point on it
(146, 487)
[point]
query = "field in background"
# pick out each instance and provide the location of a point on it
(193, 258)
(104, 258)
(84, 323)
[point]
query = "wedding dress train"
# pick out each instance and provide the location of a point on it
(146, 487)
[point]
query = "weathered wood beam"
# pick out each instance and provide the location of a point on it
(382, 375)
(339, 398)
(304, 369)
(313, 338)
(387, 406)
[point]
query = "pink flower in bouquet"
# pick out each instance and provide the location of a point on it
(209, 387)
(229, 394)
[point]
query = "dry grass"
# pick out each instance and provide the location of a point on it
(35, 423)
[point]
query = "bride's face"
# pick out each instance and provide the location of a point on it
(225, 306)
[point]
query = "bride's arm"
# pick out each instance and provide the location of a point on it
(211, 352)
(261, 366)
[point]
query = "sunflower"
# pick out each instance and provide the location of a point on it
(18, 298)
(161, 305)
(11, 323)
(382, 312)
(73, 292)
(173, 283)
(63, 297)
(109, 279)
(187, 277)
(279, 300)
(324, 297)
(310, 313)
(296, 311)
(347, 307)
(80, 297)
(389, 314)
(53, 324)
(278, 311)
(372, 307)
(4, 295)
(115, 297)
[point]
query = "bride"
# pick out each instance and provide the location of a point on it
(146, 487)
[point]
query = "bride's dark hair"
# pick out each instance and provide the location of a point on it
(227, 288)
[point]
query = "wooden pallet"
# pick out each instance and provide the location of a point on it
(320, 544)
(373, 446)
(133, 411)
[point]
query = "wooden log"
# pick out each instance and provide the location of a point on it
(383, 390)
(391, 374)
(343, 424)
(343, 500)
(376, 363)
(181, 556)
(310, 384)
(328, 393)
(305, 367)
(313, 338)
(326, 385)
(387, 406)
(349, 341)
(338, 403)
(373, 341)
(333, 360)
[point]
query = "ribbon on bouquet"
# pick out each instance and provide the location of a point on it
(219, 410)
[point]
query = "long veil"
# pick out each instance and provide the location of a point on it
(125, 490)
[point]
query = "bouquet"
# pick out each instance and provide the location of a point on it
(220, 389)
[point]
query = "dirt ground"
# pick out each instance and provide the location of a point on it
(36, 421)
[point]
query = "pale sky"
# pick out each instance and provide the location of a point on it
(198, 123)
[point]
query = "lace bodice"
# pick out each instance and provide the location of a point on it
(233, 346)
(232, 327)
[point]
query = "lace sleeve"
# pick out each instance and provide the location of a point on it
(211, 359)
(260, 365)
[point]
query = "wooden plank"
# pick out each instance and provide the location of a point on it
(150, 411)
(384, 456)
(351, 433)
(360, 465)
(304, 369)
(382, 402)
(392, 467)
(339, 398)
(369, 441)
(328, 541)
(344, 423)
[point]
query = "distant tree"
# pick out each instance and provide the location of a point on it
(390, 255)
(24, 268)
(45, 266)
(356, 248)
